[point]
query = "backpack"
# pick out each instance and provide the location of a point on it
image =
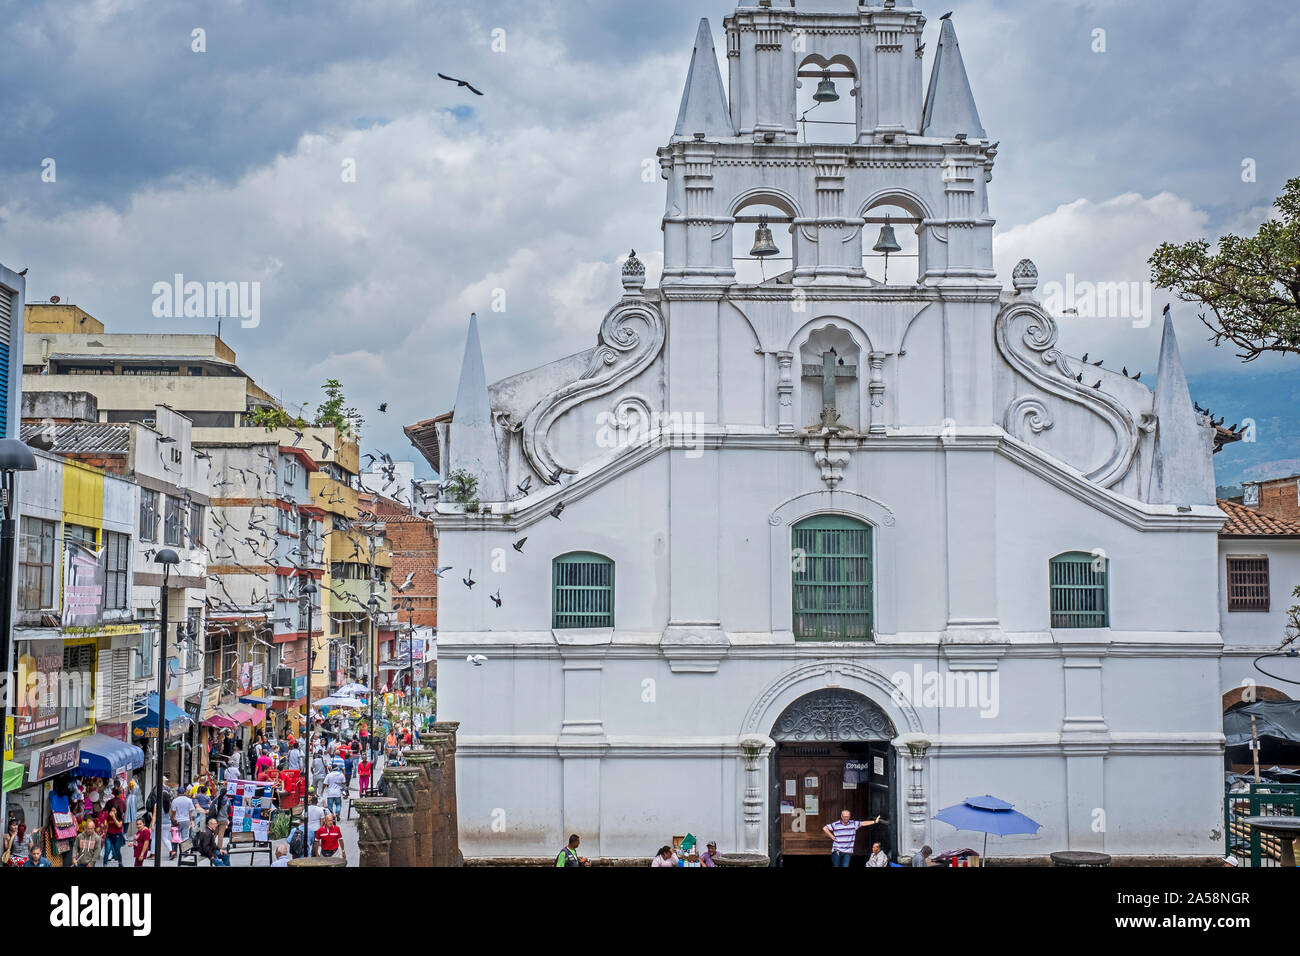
(298, 842)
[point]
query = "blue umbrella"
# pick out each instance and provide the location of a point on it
(987, 815)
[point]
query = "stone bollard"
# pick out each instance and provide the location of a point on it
(448, 729)
(320, 861)
(421, 760)
(443, 845)
(401, 785)
(375, 829)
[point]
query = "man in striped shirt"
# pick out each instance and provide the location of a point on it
(843, 833)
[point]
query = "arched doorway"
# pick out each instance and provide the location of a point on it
(832, 753)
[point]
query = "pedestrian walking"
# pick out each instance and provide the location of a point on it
(364, 769)
(334, 784)
(569, 854)
(115, 824)
(349, 766)
(143, 837)
(329, 839)
(90, 844)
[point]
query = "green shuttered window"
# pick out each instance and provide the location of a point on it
(583, 591)
(1080, 595)
(832, 580)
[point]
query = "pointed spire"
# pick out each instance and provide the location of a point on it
(473, 440)
(1182, 472)
(704, 103)
(950, 105)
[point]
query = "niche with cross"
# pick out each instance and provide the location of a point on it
(830, 367)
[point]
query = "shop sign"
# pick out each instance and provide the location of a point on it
(299, 688)
(50, 761)
(9, 738)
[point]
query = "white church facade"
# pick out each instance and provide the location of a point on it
(823, 536)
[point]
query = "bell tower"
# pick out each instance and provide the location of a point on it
(921, 148)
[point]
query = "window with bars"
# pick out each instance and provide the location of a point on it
(583, 591)
(173, 521)
(1080, 592)
(117, 569)
(1248, 583)
(36, 563)
(148, 515)
(196, 525)
(832, 564)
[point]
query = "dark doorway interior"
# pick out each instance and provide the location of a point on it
(812, 782)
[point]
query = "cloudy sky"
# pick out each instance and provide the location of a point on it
(228, 165)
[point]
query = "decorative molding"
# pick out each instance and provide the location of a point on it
(832, 465)
(803, 679)
(623, 353)
(1028, 410)
(833, 715)
(1040, 336)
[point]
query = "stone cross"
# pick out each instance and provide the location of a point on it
(832, 367)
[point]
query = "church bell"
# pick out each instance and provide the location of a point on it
(826, 90)
(763, 244)
(887, 243)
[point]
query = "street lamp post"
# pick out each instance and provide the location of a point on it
(308, 590)
(167, 558)
(410, 661)
(373, 605)
(14, 457)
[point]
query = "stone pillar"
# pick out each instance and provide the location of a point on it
(375, 829)
(320, 861)
(449, 728)
(423, 760)
(917, 800)
(752, 750)
(401, 785)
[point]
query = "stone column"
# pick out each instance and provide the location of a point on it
(423, 760)
(320, 861)
(449, 728)
(401, 785)
(753, 749)
(375, 829)
(917, 799)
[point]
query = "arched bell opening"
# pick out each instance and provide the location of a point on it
(826, 105)
(763, 241)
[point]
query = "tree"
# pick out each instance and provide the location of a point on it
(1251, 285)
(330, 414)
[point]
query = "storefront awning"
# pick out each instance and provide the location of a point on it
(221, 721)
(103, 756)
(13, 776)
(172, 715)
(253, 700)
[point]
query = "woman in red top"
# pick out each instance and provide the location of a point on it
(142, 838)
(363, 772)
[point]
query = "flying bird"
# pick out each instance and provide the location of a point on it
(325, 447)
(519, 545)
(383, 408)
(461, 83)
(469, 582)
(441, 571)
(524, 486)
(405, 585)
(496, 598)
(557, 510)
(478, 660)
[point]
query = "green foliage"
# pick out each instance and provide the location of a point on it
(273, 418)
(1251, 285)
(463, 488)
(330, 413)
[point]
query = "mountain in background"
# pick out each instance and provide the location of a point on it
(1272, 401)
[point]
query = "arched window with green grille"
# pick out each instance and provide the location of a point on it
(832, 580)
(583, 591)
(1080, 593)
